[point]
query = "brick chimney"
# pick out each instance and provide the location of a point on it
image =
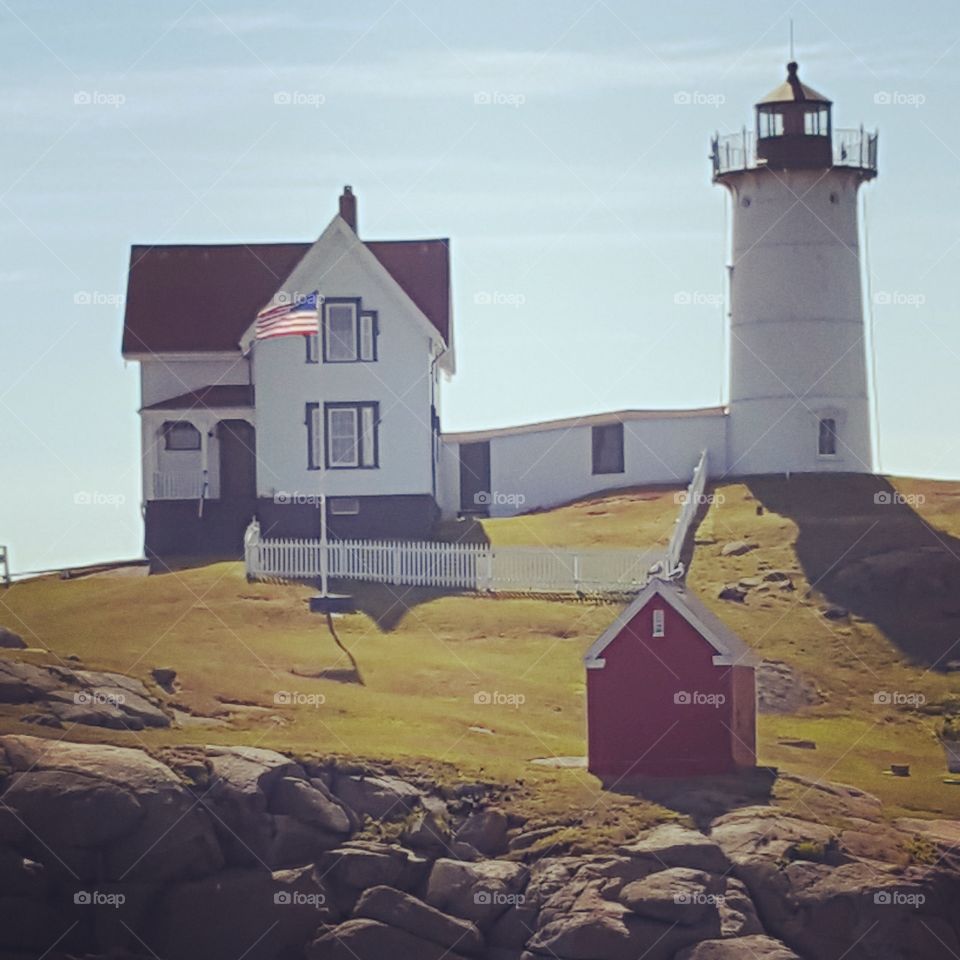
(348, 207)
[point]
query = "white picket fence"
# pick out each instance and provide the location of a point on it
(461, 566)
(478, 566)
(690, 502)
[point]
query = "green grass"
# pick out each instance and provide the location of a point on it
(423, 656)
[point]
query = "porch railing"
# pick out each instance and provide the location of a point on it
(179, 485)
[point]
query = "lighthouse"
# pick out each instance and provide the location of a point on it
(799, 393)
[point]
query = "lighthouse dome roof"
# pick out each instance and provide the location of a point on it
(792, 90)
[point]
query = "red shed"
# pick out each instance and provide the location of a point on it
(670, 691)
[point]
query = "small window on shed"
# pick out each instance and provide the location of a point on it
(344, 506)
(659, 626)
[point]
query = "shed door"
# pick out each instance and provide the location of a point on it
(475, 477)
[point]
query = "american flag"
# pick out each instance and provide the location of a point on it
(299, 317)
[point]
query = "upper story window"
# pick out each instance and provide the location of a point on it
(608, 448)
(827, 437)
(659, 624)
(181, 435)
(349, 333)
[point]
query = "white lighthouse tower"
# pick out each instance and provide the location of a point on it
(799, 395)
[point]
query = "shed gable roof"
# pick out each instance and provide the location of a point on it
(730, 647)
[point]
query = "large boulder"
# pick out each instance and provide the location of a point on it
(402, 910)
(134, 809)
(24, 682)
(757, 947)
(479, 892)
(87, 697)
(64, 807)
(309, 802)
(10, 640)
(822, 905)
(673, 845)
(381, 798)
(677, 895)
(360, 864)
(241, 782)
(240, 913)
(371, 940)
(486, 831)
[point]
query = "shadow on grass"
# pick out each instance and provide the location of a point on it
(703, 799)
(864, 548)
(388, 604)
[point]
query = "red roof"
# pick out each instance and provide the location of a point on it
(186, 298)
(422, 268)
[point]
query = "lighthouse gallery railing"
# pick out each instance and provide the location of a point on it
(855, 148)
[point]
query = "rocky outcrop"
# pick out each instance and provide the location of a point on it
(63, 695)
(223, 852)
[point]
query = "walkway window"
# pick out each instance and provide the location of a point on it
(827, 443)
(608, 448)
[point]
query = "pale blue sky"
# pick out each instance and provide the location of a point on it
(580, 195)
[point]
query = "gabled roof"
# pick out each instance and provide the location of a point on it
(218, 396)
(202, 298)
(422, 268)
(187, 298)
(730, 648)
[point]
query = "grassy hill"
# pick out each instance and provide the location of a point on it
(241, 651)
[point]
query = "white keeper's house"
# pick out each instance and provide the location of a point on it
(235, 427)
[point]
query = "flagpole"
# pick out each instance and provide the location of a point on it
(324, 557)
